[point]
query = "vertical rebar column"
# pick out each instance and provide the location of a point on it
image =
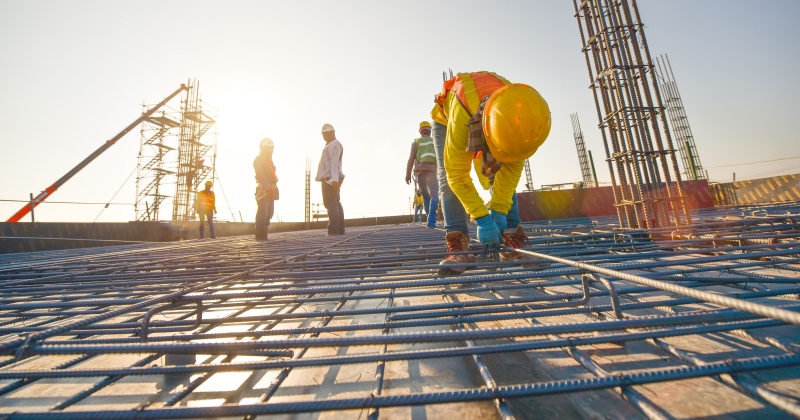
(528, 178)
(692, 168)
(628, 102)
(580, 145)
(308, 195)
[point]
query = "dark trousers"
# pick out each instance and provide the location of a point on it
(266, 208)
(330, 199)
(208, 214)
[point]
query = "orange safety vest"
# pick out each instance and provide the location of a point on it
(470, 89)
(205, 201)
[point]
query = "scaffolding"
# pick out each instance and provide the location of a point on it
(648, 191)
(198, 136)
(158, 138)
(583, 158)
(692, 169)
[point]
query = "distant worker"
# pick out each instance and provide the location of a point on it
(329, 173)
(267, 188)
(419, 203)
(484, 120)
(423, 161)
(205, 206)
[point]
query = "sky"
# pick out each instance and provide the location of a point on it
(75, 73)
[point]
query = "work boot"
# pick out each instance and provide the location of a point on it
(456, 242)
(518, 239)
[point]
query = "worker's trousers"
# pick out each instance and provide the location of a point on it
(418, 214)
(429, 188)
(208, 214)
(333, 204)
(266, 208)
(455, 217)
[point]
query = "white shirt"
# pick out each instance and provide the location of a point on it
(330, 164)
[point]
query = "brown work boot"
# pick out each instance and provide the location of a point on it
(518, 239)
(456, 242)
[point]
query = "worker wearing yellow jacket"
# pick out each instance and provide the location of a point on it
(484, 121)
(205, 205)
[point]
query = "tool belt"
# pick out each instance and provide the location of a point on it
(269, 192)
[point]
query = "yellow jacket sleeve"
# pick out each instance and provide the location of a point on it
(505, 186)
(458, 161)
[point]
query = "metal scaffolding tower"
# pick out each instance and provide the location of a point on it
(158, 139)
(641, 157)
(583, 159)
(196, 139)
(692, 169)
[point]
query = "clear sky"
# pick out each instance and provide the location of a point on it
(75, 73)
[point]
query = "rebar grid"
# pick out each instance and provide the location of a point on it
(610, 322)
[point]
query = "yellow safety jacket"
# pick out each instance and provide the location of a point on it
(418, 200)
(460, 98)
(205, 201)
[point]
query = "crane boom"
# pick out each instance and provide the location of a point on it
(61, 181)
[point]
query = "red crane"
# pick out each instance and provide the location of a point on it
(61, 181)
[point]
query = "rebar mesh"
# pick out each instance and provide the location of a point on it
(360, 325)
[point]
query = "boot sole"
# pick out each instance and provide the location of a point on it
(446, 271)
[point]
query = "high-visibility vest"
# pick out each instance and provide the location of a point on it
(205, 201)
(425, 150)
(469, 89)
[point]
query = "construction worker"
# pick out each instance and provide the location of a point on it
(423, 161)
(419, 204)
(483, 120)
(329, 173)
(267, 188)
(205, 206)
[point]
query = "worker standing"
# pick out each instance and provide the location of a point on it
(329, 173)
(267, 188)
(423, 162)
(419, 204)
(205, 206)
(484, 120)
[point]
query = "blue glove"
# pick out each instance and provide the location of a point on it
(500, 220)
(488, 233)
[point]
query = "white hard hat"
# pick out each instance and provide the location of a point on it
(267, 143)
(326, 128)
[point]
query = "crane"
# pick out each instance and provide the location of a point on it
(61, 181)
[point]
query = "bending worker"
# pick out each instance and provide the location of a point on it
(485, 121)
(267, 188)
(205, 206)
(423, 161)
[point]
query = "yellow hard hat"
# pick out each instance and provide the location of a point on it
(209, 183)
(516, 121)
(424, 124)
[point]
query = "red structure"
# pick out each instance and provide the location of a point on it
(592, 202)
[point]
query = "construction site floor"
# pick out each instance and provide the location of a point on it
(308, 326)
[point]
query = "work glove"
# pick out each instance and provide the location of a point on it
(488, 233)
(500, 219)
